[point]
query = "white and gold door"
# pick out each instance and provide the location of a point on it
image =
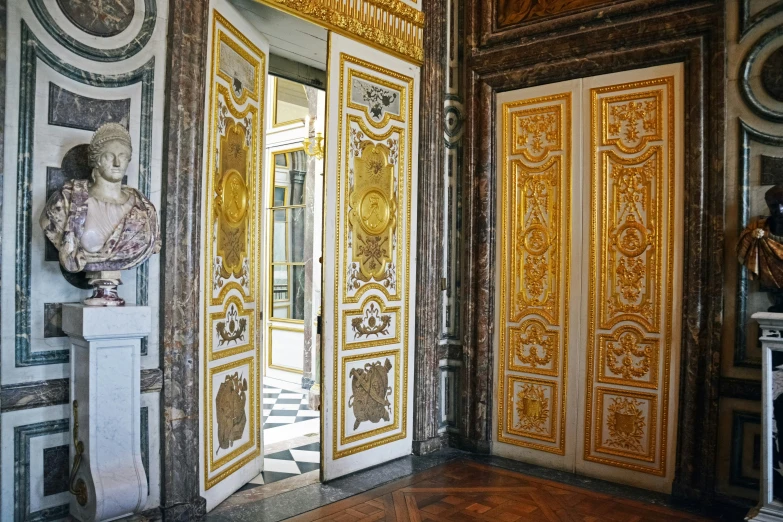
(369, 257)
(589, 275)
(232, 289)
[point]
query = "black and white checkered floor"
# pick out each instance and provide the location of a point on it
(286, 464)
(283, 407)
(287, 417)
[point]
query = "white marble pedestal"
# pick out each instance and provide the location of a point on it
(770, 508)
(105, 371)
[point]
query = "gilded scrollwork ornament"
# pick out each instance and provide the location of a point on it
(532, 407)
(625, 424)
(373, 322)
(373, 210)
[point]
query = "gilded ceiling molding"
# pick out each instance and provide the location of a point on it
(389, 24)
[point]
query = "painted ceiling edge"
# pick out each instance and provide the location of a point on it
(388, 25)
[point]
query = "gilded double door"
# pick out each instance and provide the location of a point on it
(589, 275)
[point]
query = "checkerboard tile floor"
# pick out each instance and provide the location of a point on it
(282, 407)
(286, 464)
(284, 414)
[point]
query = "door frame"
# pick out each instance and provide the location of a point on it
(183, 163)
(697, 41)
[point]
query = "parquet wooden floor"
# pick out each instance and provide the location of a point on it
(468, 491)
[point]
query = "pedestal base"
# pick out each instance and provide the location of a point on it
(104, 289)
(105, 371)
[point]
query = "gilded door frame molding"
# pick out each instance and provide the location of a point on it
(697, 41)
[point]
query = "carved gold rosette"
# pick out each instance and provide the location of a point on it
(231, 257)
(535, 256)
(631, 274)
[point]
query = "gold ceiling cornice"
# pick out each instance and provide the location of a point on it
(390, 25)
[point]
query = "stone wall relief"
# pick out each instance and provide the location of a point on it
(754, 34)
(68, 73)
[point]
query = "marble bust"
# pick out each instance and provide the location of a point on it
(760, 247)
(101, 226)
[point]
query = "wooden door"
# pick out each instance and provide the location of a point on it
(232, 296)
(369, 257)
(589, 275)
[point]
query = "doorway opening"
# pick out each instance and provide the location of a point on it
(292, 204)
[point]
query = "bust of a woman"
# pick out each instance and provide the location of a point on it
(100, 225)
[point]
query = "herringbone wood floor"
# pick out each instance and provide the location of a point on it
(468, 491)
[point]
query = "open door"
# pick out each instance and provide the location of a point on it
(231, 441)
(369, 257)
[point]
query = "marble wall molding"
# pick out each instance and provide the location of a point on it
(123, 52)
(651, 35)
(429, 250)
(33, 50)
(749, 21)
(747, 134)
(747, 69)
(38, 394)
(23, 436)
(183, 157)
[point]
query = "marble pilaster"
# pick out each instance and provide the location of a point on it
(430, 225)
(180, 285)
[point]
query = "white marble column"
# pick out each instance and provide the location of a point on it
(105, 371)
(770, 508)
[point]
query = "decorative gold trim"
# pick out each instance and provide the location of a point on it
(389, 25)
(596, 124)
(340, 221)
(378, 431)
(508, 186)
(545, 363)
(353, 73)
(222, 38)
(223, 30)
(550, 410)
(642, 360)
(650, 427)
(359, 312)
(209, 426)
(269, 363)
(251, 335)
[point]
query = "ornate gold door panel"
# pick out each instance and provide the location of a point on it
(589, 274)
(535, 252)
(634, 308)
(231, 296)
(369, 262)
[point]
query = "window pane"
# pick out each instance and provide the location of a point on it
(290, 102)
(288, 235)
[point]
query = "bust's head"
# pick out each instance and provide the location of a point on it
(110, 152)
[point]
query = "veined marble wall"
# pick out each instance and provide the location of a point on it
(754, 162)
(450, 353)
(72, 65)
